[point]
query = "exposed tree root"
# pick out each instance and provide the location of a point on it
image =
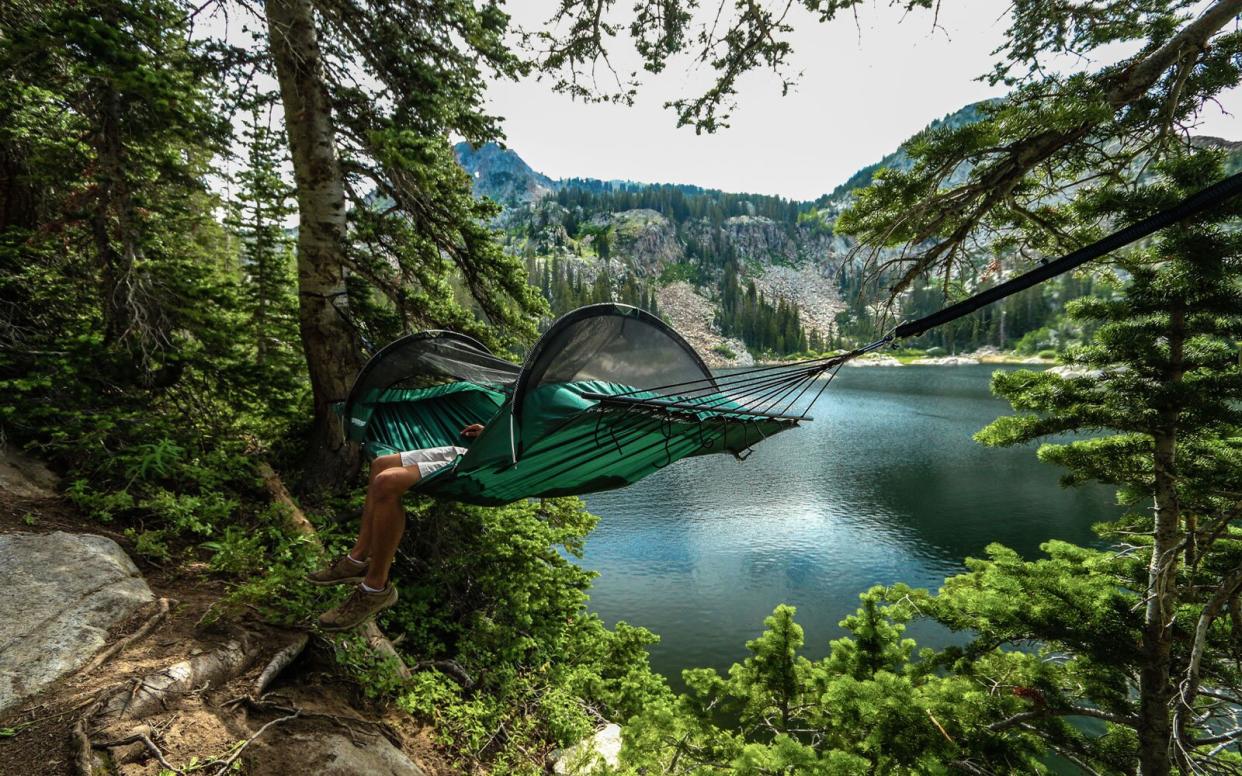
(161, 612)
(120, 710)
(450, 668)
(83, 756)
(279, 662)
(347, 723)
(152, 692)
(228, 762)
(140, 737)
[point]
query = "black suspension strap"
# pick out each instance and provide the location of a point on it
(1216, 194)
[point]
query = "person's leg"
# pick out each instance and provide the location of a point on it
(351, 568)
(362, 547)
(387, 522)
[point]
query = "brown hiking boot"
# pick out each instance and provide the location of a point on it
(360, 606)
(344, 571)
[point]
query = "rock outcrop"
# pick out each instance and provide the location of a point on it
(331, 754)
(644, 239)
(63, 592)
(874, 359)
(945, 361)
(589, 755)
(25, 477)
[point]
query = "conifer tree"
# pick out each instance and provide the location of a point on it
(267, 262)
(371, 91)
(1150, 627)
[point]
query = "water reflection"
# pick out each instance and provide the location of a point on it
(885, 485)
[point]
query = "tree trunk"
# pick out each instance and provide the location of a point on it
(113, 205)
(330, 343)
(1155, 686)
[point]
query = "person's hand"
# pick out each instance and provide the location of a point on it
(472, 431)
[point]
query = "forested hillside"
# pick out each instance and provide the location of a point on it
(775, 276)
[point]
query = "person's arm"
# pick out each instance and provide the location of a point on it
(472, 431)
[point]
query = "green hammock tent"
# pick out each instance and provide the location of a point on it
(609, 395)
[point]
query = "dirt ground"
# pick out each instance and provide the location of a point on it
(36, 737)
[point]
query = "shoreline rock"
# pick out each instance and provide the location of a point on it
(945, 361)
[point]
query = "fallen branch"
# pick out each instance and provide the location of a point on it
(294, 516)
(160, 613)
(450, 668)
(279, 662)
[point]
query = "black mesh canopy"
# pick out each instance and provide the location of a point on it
(429, 358)
(612, 343)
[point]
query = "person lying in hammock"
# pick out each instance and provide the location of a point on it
(383, 522)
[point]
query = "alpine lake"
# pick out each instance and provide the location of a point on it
(884, 485)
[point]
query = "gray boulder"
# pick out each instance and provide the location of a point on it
(62, 593)
(590, 754)
(24, 477)
(330, 754)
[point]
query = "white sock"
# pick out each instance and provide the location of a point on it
(354, 561)
(368, 589)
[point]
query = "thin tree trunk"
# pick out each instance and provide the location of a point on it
(1155, 686)
(115, 265)
(332, 352)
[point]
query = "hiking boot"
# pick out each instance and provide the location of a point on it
(358, 608)
(344, 571)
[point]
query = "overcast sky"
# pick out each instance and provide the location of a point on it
(863, 90)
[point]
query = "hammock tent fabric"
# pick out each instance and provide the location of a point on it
(609, 395)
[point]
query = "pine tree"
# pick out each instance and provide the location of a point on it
(1159, 388)
(266, 248)
(382, 122)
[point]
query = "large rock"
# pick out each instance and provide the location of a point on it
(25, 477)
(62, 593)
(589, 755)
(330, 754)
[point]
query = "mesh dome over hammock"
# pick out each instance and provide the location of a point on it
(609, 395)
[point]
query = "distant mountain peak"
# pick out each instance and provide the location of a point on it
(502, 175)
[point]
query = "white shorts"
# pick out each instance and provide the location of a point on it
(431, 459)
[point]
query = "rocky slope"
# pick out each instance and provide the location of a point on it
(797, 259)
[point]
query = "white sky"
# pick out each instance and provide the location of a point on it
(864, 89)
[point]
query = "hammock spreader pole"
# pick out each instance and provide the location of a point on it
(1215, 194)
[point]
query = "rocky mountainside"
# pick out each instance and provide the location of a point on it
(502, 175)
(588, 240)
(676, 241)
(677, 256)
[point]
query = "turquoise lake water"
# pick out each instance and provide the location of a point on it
(885, 485)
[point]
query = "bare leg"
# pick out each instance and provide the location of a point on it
(387, 520)
(362, 547)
